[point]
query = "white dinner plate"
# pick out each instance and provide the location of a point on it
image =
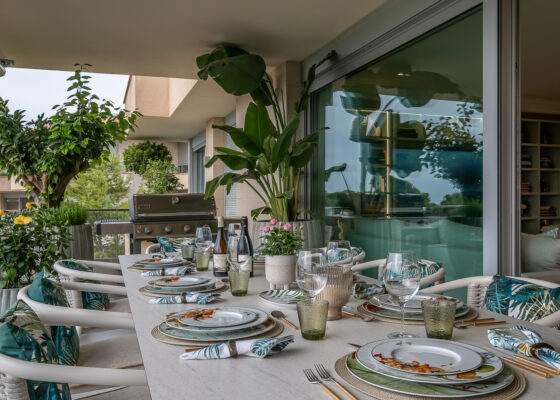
(425, 356)
(179, 281)
(491, 366)
(412, 306)
(173, 320)
(160, 261)
(181, 289)
(217, 317)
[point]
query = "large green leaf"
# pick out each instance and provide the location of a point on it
(262, 94)
(301, 155)
(257, 212)
(258, 125)
(235, 70)
(233, 162)
(211, 187)
(240, 139)
(227, 150)
(283, 143)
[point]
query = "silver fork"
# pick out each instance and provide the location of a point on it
(324, 375)
(311, 377)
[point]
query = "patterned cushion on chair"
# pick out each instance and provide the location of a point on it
(171, 245)
(427, 269)
(65, 338)
(520, 299)
(91, 300)
(23, 336)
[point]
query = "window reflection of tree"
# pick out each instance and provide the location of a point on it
(406, 89)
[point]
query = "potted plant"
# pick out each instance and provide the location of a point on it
(74, 216)
(280, 245)
(270, 158)
(47, 153)
(30, 241)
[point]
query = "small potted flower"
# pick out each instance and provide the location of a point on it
(281, 242)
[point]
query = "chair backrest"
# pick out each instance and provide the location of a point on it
(433, 279)
(153, 248)
(12, 387)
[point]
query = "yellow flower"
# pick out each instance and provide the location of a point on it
(2, 213)
(28, 205)
(22, 220)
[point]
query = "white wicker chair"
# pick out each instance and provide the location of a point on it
(436, 278)
(15, 372)
(153, 248)
(476, 291)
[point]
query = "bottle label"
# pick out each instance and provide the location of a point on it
(220, 262)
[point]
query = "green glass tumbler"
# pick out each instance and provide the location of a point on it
(312, 315)
(202, 259)
(239, 281)
(439, 317)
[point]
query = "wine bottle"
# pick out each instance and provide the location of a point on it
(243, 253)
(220, 251)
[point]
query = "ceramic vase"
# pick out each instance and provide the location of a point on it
(338, 290)
(280, 271)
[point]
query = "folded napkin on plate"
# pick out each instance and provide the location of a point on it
(175, 271)
(198, 298)
(362, 290)
(254, 348)
(524, 341)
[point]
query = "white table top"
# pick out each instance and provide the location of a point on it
(280, 376)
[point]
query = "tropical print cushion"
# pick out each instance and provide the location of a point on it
(171, 245)
(521, 299)
(427, 269)
(65, 338)
(90, 300)
(23, 336)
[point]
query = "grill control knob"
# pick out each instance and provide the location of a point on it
(148, 229)
(186, 228)
(175, 200)
(168, 229)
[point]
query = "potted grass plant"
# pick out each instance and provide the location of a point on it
(270, 157)
(74, 216)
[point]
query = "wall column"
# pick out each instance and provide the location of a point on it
(215, 137)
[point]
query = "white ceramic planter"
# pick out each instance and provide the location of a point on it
(280, 271)
(7, 298)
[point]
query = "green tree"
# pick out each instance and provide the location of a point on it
(159, 177)
(103, 186)
(47, 153)
(137, 156)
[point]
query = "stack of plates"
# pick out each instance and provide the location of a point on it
(430, 367)
(158, 263)
(216, 324)
(384, 305)
(175, 285)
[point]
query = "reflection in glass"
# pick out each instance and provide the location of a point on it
(401, 165)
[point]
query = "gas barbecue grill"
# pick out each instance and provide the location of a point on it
(170, 215)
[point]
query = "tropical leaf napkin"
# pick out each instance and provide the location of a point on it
(362, 290)
(175, 271)
(524, 341)
(254, 348)
(198, 298)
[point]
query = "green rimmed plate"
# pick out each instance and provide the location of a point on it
(174, 321)
(283, 297)
(178, 290)
(500, 381)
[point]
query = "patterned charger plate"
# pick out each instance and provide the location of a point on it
(283, 297)
(374, 310)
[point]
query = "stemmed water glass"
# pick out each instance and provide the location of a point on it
(402, 281)
(203, 238)
(311, 273)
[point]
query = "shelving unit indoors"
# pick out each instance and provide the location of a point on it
(540, 174)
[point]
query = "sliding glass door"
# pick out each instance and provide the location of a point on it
(400, 166)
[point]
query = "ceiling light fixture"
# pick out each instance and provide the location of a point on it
(3, 64)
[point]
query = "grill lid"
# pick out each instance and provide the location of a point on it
(174, 206)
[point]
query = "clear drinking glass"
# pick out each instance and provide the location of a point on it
(439, 317)
(312, 316)
(203, 237)
(402, 281)
(234, 229)
(339, 281)
(239, 261)
(202, 259)
(312, 272)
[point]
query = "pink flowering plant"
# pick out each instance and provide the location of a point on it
(281, 239)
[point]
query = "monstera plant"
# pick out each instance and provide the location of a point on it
(270, 158)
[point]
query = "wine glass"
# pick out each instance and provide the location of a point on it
(203, 237)
(233, 229)
(339, 253)
(402, 281)
(311, 273)
(238, 253)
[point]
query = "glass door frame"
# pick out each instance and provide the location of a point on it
(501, 115)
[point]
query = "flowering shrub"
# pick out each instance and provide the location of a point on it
(281, 239)
(29, 241)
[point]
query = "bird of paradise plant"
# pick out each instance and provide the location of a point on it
(31, 240)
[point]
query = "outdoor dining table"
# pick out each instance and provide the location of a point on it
(280, 376)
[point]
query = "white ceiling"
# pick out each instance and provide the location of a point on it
(163, 38)
(540, 51)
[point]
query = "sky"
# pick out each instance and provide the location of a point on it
(37, 91)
